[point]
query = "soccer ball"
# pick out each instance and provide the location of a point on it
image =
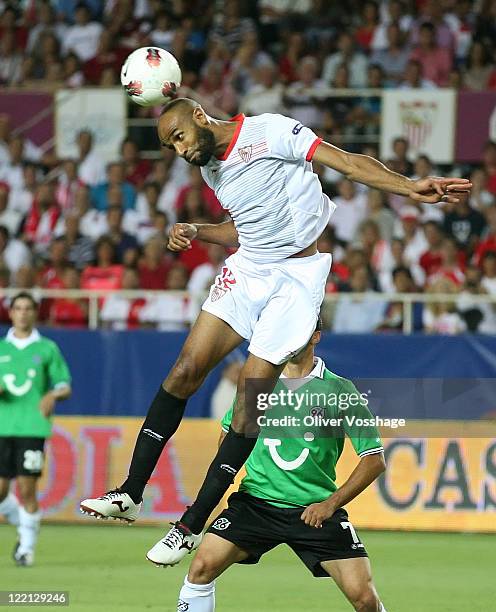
(151, 76)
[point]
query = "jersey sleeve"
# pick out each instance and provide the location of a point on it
(365, 438)
(58, 370)
(226, 421)
(289, 139)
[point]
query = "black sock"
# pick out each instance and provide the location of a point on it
(162, 420)
(232, 454)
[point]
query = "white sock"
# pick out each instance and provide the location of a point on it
(29, 525)
(10, 509)
(382, 608)
(196, 597)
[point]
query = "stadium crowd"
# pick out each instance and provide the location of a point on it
(81, 223)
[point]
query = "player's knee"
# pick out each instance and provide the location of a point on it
(366, 600)
(203, 569)
(186, 376)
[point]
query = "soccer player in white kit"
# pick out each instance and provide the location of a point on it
(269, 292)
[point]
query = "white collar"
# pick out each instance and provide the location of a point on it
(318, 369)
(22, 343)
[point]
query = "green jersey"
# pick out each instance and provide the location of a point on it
(294, 459)
(29, 368)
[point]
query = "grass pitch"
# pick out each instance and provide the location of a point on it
(104, 569)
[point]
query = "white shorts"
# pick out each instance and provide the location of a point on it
(275, 305)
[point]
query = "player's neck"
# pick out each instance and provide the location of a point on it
(301, 368)
(22, 333)
(224, 133)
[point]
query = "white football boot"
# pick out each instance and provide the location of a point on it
(176, 544)
(114, 505)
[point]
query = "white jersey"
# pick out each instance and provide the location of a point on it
(266, 182)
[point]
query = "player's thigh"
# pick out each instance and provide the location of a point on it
(208, 342)
(354, 578)
(257, 376)
(213, 557)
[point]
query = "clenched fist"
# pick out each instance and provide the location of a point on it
(180, 236)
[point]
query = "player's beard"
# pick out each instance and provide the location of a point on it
(205, 147)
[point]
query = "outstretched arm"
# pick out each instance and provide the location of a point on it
(181, 234)
(371, 172)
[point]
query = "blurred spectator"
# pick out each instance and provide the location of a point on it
(136, 170)
(355, 61)
(10, 60)
(464, 224)
(230, 27)
(365, 33)
(121, 239)
(68, 185)
(400, 162)
(42, 218)
(91, 166)
(436, 61)
(478, 67)
(398, 252)
(115, 179)
(488, 265)
(107, 57)
(10, 23)
(82, 38)
(51, 275)
(106, 273)
(301, 104)
(412, 234)
(376, 249)
(350, 212)
(266, 95)
(294, 50)
(216, 91)
(14, 254)
(197, 184)
(123, 312)
(393, 317)
(91, 221)
(141, 223)
(249, 57)
(480, 197)
(162, 33)
(378, 212)
(414, 77)
(68, 311)
(12, 171)
(45, 22)
(431, 260)
(442, 317)
(225, 390)
(432, 13)
(9, 217)
(478, 317)
(72, 73)
(169, 312)
(489, 161)
(153, 266)
(394, 57)
(80, 248)
(488, 238)
(450, 267)
(358, 315)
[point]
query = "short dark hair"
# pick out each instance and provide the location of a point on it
(318, 326)
(402, 270)
(24, 295)
(179, 103)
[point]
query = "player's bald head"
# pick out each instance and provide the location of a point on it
(184, 126)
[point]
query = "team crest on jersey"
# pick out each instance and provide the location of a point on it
(223, 284)
(153, 57)
(245, 153)
(221, 524)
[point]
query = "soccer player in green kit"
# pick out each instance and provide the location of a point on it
(289, 495)
(33, 377)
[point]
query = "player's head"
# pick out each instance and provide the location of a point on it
(184, 126)
(23, 311)
(308, 351)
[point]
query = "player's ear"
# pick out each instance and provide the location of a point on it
(316, 337)
(200, 117)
